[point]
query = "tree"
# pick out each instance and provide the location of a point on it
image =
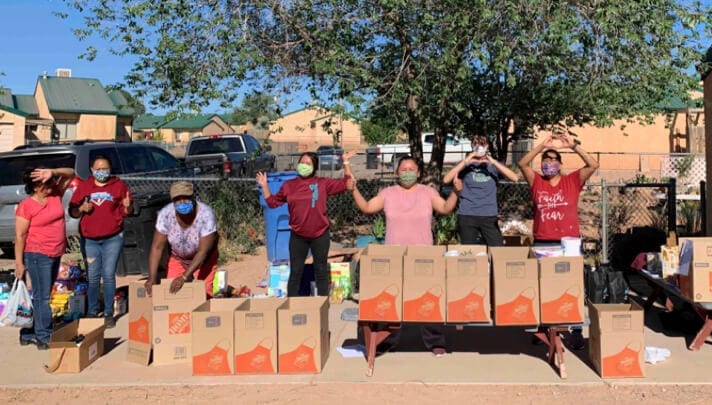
(257, 108)
(500, 67)
(131, 102)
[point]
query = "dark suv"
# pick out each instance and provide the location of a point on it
(330, 157)
(126, 158)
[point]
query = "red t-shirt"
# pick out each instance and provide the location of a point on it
(556, 207)
(306, 203)
(107, 218)
(46, 234)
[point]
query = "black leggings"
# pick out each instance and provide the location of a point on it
(298, 250)
(471, 227)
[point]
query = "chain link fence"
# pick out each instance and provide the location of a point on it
(606, 211)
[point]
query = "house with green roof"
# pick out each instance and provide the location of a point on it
(63, 109)
(180, 129)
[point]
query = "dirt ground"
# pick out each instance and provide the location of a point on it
(347, 393)
(248, 270)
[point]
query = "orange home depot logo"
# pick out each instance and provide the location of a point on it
(519, 311)
(139, 330)
(382, 307)
(179, 323)
(215, 361)
(564, 309)
(299, 360)
(257, 360)
(469, 308)
(625, 363)
(424, 308)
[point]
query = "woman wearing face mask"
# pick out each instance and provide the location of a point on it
(556, 197)
(101, 202)
(39, 244)
(191, 229)
(306, 202)
(477, 213)
(409, 207)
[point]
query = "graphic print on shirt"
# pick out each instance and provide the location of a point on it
(100, 197)
(315, 194)
(548, 205)
(480, 174)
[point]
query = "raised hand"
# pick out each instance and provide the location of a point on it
(261, 179)
(351, 183)
(566, 141)
(127, 201)
(348, 155)
(87, 206)
(42, 175)
(457, 183)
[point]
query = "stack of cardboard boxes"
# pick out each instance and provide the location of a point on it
(228, 335)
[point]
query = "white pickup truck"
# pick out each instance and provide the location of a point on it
(456, 149)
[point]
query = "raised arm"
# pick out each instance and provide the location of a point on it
(347, 165)
(525, 162)
(154, 258)
(452, 174)
(371, 206)
(506, 172)
(591, 165)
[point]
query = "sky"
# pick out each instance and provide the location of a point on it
(37, 41)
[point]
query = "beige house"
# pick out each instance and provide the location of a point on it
(179, 130)
(314, 126)
(63, 109)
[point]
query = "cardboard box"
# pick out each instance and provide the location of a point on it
(381, 283)
(468, 284)
(303, 335)
(213, 336)
(696, 285)
(172, 340)
(424, 296)
(256, 336)
(278, 276)
(67, 355)
(515, 280)
(616, 339)
(140, 324)
(561, 290)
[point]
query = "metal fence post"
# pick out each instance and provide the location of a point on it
(604, 222)
(672, 205)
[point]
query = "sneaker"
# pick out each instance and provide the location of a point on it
(439, 351)
(109, 322)
(42, 345)
(576, 340)
(27, 342)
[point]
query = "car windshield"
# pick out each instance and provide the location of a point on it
(13, 167)
(215, 145)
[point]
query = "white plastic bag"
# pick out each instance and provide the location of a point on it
(18, 311)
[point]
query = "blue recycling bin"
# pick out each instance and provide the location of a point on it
(277, 219)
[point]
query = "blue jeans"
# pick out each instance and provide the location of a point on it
(43, 271)
(101, 256)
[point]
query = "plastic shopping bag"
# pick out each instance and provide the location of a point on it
(18, 311)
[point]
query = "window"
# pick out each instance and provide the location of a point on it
(163, 159)
(251, 143)
(67, 129)
(12, 168)
(135, 160)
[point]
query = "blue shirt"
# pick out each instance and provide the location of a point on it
(479, 190)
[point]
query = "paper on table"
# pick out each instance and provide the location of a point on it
(685, 258)
(349, 352)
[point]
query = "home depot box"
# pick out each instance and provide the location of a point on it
(515, 280)
(561, 290)
(424, 284)
(381, 283)
(69, 355)
(468, 284)
(696, 285)
(172, 339)
(140, 324)
(303, 335)
(213, 336)
(256, 336)
(616, 342)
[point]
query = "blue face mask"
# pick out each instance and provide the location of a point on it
(184, 208)
(101, 175)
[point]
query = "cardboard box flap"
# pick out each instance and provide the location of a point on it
(509, 253)
(617, 318)
(425, 251)
(261, 304)
(468, 250)
(220, 305)
(383, 250)
(303, 303)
